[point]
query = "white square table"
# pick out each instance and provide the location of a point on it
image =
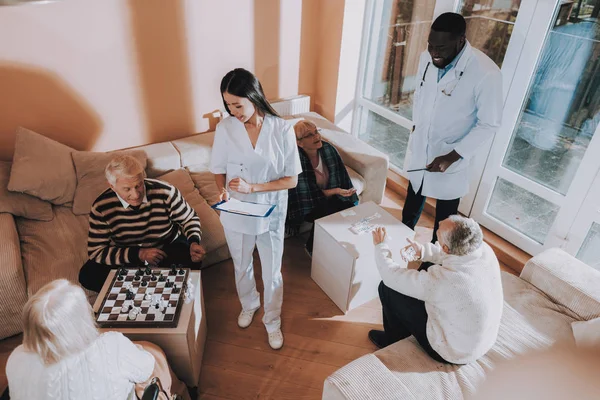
(343, 263)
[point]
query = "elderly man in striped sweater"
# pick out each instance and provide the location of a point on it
(139, 221)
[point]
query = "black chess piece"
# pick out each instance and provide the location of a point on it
(169, 284)
(129, 295)
(173, 270)
(144, 283)
(153, 278)
(162, 278)
(156, 306)
(148, 271)
(176, 289)
(130, 307)
(137, 278)
(181, 271)
(122, 271)
(120, 277)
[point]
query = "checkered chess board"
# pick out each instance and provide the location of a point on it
(145, 287)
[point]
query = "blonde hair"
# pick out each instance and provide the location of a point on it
(123, 166)
(58, 322)
(301, 128)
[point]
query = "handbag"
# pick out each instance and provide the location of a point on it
(154, 389)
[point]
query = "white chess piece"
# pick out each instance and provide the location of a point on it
(133, 313)
(156, 298)
(189, 292)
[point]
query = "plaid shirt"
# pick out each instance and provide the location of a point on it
(307, 195)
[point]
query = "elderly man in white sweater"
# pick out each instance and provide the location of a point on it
(453, 306)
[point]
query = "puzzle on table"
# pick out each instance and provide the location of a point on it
(145, 297)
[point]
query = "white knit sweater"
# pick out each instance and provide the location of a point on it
(107, 369)
(462, 294)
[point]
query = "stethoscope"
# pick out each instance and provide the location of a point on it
(444, 91)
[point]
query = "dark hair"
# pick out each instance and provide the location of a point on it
(452, 23)
(243, 83)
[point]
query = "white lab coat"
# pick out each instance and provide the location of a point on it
(275, 156)
(463, 121)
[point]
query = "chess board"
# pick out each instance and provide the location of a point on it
(148, 287)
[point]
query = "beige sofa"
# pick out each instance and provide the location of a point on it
(553, 291)
(50, 241)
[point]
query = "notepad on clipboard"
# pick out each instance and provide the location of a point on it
(235, 206)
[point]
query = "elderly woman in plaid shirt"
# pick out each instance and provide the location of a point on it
(324, 186)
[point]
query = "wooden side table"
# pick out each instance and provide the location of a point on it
(183, 345)
(343, 263)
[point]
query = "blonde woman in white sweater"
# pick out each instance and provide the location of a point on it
(452, 307)
(63, 356)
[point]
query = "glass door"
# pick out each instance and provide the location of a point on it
(498, 28)
(583, 240)
(395, 35)
(546, 154)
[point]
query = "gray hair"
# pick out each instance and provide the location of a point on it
(465, 236)
(123, 166)
(58, 322)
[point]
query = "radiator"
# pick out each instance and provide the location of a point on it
(292, 105)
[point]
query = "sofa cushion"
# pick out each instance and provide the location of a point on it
(91, 181)
(566, 281)
(195, 150)
(13, 291)
(21, 204)
(213, 235)
(42, 168)
(53, 249)
(162, 158)
(205, 182)
(587, 333)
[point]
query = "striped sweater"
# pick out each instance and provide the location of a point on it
(117, 233)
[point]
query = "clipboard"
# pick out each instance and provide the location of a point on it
(246, 208)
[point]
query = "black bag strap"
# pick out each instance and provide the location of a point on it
(152, 391)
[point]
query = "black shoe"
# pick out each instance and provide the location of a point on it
(425, 265)
(378, 338)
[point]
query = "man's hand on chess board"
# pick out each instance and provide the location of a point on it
(197, 252)
(151, 255)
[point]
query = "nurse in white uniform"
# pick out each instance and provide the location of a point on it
(255, 158)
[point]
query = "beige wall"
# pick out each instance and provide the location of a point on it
(102, 75)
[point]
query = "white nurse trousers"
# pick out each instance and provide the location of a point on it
(270, 251)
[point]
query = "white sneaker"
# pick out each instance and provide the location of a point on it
(245, 318)
(276, 339)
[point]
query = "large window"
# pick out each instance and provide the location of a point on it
(398, 33)
(490, 25)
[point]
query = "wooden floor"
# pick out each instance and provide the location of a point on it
(319, 338)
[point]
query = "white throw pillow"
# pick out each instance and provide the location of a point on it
(587, 333)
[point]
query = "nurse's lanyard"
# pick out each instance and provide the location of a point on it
(445, 90)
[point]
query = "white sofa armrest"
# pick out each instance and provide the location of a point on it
(565, 280)
(369, 162)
